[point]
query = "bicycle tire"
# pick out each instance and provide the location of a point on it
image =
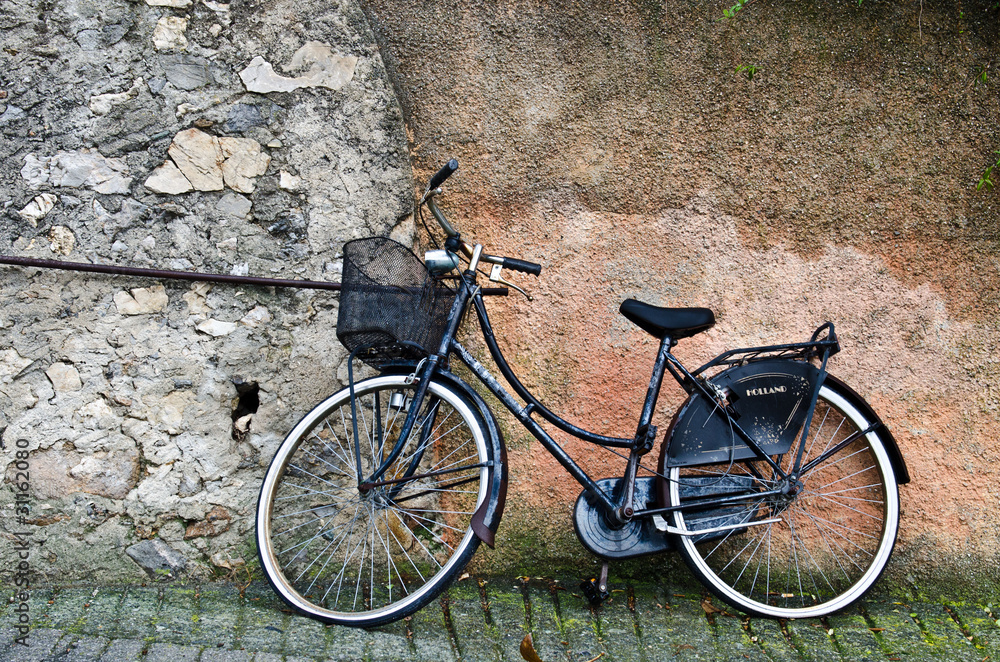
(833, 539)
(369, 557)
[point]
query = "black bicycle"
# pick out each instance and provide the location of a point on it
(775, 481)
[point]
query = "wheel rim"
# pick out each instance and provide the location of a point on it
(354, 554)
(833, 537)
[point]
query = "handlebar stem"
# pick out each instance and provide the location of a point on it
(477, 251)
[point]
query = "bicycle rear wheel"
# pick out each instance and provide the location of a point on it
(343, 552)
(802, 555)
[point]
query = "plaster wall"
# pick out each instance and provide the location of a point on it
(619, 145)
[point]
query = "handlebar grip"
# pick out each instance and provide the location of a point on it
(522, 265)
(444, 173)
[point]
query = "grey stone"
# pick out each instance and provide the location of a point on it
(545, 626)
(943, 632)
(186, 72)
(232, 204)
(222, 655)
(11, 114)
(83, 649)
(510, 619)
(218, 617)
(41, 646)
(114, 33)
(101, 612)
(123, 650)
(67, 609)
(811, 638)
(388, 644)
(90, 40)
(157, 557)
(306, 637)
(772, 640)
(159, 652)
(854, 637)
(733, 642)
(479, 641)
(241, 117)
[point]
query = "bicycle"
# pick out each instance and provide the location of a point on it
(775, 481)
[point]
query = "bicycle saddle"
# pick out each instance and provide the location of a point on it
(673, 322)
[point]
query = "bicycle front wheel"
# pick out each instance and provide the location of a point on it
(343, 551)
(805, 554)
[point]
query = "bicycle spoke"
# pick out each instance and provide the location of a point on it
(341, 550)
(834, 526)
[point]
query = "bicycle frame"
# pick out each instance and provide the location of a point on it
(621, 509)
(776, 513)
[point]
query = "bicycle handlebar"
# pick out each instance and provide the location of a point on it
(522, 265)
(446, 171)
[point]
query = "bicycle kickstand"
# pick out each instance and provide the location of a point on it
(596, 590)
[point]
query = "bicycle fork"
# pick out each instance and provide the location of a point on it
(423, 374)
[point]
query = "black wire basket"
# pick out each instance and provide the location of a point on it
(390, 307)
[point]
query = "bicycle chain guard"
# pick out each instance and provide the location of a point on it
(638, 537)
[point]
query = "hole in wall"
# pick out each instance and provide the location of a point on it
(244, 406)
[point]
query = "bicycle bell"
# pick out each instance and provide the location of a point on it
(440, 262)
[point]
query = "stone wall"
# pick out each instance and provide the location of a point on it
(251, 137)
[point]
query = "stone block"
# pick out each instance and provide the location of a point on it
(157, 558)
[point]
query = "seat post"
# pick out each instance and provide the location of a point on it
(645, 435)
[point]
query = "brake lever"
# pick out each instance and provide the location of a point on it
(495, 277)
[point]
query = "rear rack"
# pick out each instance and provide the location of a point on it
(819, 345)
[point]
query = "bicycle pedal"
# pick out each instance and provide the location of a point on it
(593, 592)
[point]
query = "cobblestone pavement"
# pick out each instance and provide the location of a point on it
(478, 620)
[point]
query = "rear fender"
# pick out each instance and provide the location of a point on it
(884, 435)
(697, 435)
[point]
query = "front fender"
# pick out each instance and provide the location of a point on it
(486, 519)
